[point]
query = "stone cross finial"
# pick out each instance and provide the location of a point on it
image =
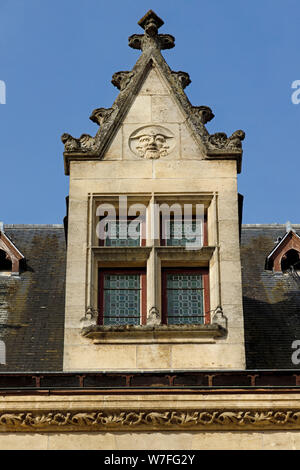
(151, 24)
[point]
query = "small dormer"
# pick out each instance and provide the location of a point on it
(10, 256)
(286, 254)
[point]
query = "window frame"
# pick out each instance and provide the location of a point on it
(143, 300)
(186, 270)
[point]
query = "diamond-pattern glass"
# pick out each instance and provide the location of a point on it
(118, 234)
(181, 232)
(122, 299)
(185, 299)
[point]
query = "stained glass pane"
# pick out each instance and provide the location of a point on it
(180, 232)
(123, 233)
(122, 299)
(185, 299)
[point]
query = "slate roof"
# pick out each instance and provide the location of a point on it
(32, 305)
(271, 301)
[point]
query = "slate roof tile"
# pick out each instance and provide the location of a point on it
(32, 305)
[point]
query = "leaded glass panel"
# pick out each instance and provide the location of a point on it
(122, 299)
(118, 234)
(182, 232)
(185, 299)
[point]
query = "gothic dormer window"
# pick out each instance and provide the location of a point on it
(10, 256)
(290, 261)
(286, 254)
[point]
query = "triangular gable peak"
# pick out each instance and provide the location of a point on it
(285, 254)
(130, 84)
(11, 251)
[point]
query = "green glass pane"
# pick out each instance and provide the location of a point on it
(122, 299)
(185, 299)
(182, 232)
(121, 281)
(117, 235)
(184, 281)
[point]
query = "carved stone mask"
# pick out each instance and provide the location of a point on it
(151, 142)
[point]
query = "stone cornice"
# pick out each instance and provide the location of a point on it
(141, 411)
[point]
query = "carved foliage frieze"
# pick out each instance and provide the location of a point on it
(161, 419)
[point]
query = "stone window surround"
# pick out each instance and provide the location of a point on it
(153, 258)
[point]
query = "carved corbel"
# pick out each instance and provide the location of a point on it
(90, 317)
(219, 317)
(153, 317)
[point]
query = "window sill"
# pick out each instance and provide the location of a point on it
(118, 253)
(172, 255)
(153, 334)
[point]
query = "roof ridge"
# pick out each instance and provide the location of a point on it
(24, 226)
(268, 225)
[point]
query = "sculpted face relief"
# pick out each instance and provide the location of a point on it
(151, 142)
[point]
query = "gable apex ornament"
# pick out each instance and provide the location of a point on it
(213, 147)
(151, 24)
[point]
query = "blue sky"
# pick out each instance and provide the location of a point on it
(57, 58)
